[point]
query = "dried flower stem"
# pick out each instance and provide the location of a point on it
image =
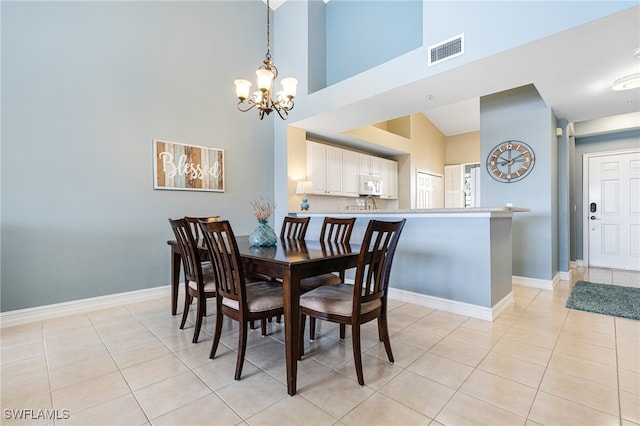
(262, 209)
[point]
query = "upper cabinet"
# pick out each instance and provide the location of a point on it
(370, 165)
(350, 173)
(390, 180)
(336, 171)
(332, 170)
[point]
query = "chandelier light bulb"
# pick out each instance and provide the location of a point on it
(256, 97)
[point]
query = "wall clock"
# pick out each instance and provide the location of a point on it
(510, 161)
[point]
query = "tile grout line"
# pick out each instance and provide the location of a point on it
(175, 355)
(484, 357)
(546, 367)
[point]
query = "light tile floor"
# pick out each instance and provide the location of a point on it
(539, 363)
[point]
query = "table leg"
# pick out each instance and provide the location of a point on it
(176, 260)
(291, 295)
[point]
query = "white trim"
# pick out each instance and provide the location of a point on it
(565, 275)
(535, 282)
(39, 313)
(460, 308)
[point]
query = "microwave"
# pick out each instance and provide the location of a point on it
(370, 185)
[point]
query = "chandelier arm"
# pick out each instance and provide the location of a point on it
(280, 112)
(251, 106)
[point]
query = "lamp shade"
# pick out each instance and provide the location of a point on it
(242, 88)
(265, 79)
(304, 187)
(289, 86)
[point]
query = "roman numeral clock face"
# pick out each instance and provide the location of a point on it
(510, 161)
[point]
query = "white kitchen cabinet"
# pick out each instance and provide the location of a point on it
(390, 179)
(336, 171)
(317, 166)
(371, 165)
(332, 170)
(350, 173)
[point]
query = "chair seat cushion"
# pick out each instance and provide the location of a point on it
(310, 283)
(335, 299)
(209, 283)
(261, 296)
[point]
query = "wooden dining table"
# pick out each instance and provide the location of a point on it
(291, 261)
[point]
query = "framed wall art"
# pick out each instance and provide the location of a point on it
(182, 167)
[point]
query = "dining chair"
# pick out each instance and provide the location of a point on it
(195, 228)
(294, 227)
(198, 274)
(366, 299)
(334, 230)
(235, 298)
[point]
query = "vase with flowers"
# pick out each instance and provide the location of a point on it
(263, 235)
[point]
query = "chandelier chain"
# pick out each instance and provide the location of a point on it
(268, 55)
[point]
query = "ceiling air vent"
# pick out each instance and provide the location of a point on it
(446, 50)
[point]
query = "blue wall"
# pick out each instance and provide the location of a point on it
(363, 34)
(565, 153)
(520, 114)
(86, 86)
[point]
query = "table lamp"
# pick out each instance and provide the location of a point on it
(304, 187)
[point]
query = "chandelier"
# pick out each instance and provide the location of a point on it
(262, 98)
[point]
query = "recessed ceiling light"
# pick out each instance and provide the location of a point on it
(631, 81)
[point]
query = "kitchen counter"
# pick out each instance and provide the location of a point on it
(495, 211)
(458, 260)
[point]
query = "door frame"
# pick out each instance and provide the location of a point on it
(585, 195)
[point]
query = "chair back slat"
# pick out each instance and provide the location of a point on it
(374, 261)
(191, 259)
(225, 258)
(294, 227)
(337, 230)
(193, 223)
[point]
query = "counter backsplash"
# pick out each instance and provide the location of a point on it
(328, 203)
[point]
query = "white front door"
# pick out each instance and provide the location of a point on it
(613, 211)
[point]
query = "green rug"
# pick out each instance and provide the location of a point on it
(606, 299)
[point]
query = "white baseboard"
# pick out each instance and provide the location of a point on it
(566, 275)
(535, 282)
(39, 313)
(460, 308)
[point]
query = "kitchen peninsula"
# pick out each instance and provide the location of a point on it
(457, 260)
